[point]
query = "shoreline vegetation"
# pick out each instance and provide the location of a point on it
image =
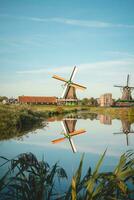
(16, 120)
(28, 178)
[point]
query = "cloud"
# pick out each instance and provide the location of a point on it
(120, 54)
(62, 69)
(101, 65)
(90, 23)
(73, 22)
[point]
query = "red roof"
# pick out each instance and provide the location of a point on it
(36, 99)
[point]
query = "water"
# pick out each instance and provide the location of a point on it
(91, 135)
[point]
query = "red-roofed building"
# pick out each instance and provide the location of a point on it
(37, 100)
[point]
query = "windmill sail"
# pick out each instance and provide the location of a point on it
(73, 73)
(69, 92)
(59, 78)
(69, 132)
(127, 79)
(126, 91)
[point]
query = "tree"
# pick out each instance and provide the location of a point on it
(3, 98)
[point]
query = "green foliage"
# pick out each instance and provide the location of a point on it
(29, 179)
(123, 100)
(3, 98)
(15, 121)
(89, 102)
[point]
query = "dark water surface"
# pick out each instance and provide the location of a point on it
(66, 140)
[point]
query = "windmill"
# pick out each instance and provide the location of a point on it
(126, 129)
(69, 92)
(126, 90)
(69, 132)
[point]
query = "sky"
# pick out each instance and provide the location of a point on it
(40, 38)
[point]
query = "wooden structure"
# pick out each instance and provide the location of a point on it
(126, 129)
(69, 93)
(126, 90)
(69, 132)
(37, 100)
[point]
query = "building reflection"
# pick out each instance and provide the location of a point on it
(126, 129)
(69, 132)
(105, 119)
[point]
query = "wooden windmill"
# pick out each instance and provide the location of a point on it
(126, 129)
(69, 132)
(69, 92)
(126, 90)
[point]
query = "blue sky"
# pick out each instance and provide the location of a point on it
(39, 38)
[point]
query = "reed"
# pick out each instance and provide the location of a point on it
(28, 178)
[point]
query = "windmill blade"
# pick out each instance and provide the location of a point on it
(80, 131)
(119, 86)
(59, 78)
(127, 139)
(127, 79)
(64, 128)
(77, 86)
(118, 133)
(64, 91)
(73, 73)
(69, 134)
(58, 140)
(72, 145)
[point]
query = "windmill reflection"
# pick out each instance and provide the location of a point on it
(69, 132)
(126, 129)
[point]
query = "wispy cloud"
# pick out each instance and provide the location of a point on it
(120, 54)
(90, 24)
(73, 22)
(101, 65)
(48, 70)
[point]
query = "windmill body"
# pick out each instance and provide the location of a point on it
(69, 93)
(126, 91)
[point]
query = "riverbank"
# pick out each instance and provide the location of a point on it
(115, 112)
(16, 120)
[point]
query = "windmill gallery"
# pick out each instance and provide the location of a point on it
(69, 96)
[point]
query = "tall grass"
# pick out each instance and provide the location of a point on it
(28, 178)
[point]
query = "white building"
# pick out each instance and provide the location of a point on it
(106, 100)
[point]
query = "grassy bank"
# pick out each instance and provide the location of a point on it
(16, 120)
(115, 112)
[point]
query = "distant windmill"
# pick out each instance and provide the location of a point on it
(70, 87)
(126, 129)
(126, 90)
(69, 132)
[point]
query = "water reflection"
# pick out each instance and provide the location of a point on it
(69, 132)
(126, 129)
(105, 119)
